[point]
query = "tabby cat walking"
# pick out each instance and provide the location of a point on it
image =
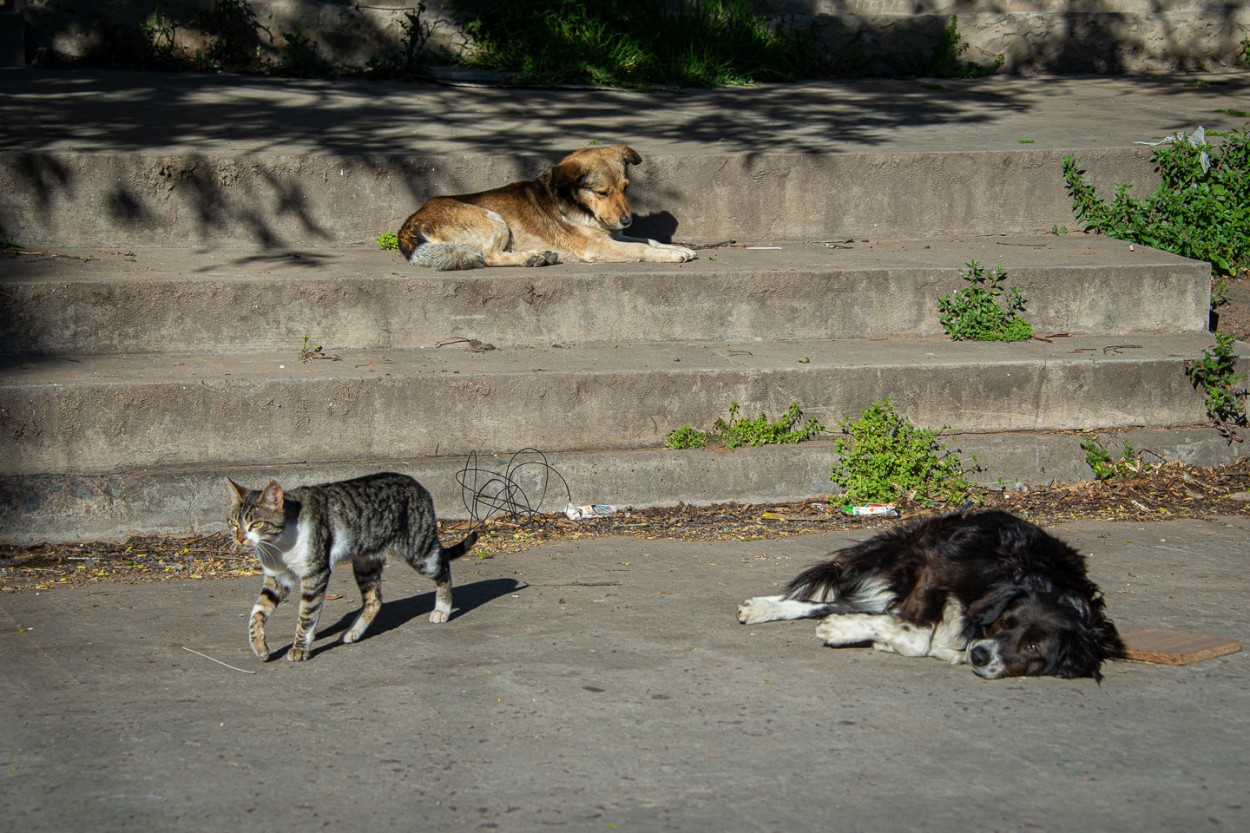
(302, 534)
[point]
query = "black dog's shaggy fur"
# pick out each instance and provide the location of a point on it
(985, 588)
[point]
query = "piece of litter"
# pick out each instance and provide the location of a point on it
(219, 662)
(590, 510)
(1170, 647)
(872, 510)
(762, 248)
(1197, 139)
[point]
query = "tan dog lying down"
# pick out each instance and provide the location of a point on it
(572, 212)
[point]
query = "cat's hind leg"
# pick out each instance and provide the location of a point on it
(368, 572)
(436, 565)
(272, 592)
(312, 598)
(442, 596)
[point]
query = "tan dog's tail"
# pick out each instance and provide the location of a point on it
(447, 257)
(444, 257)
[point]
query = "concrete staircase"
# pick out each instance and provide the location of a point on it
(151, 346)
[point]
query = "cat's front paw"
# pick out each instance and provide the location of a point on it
(298, 653)
(259, 647)
(438, 617)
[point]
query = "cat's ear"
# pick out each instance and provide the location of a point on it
(239, 492)
(272, 496)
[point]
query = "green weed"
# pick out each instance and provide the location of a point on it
(887, 457)
(1104, 467)
(686, 437)
(298, 56)
(232, 35)
(1200, 210)
(387, 241)
(1215, 373)
(946, 58)
(414, 60)
(984, 310)
(738, 431)
(642, 43)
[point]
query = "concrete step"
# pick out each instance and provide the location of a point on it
(121, 160)
(183, 301)
(102, 414)
(180, 499)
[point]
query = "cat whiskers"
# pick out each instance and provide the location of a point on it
(270, 555)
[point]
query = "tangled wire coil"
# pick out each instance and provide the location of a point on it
(487, 493)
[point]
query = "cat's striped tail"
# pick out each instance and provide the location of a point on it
(457, 550)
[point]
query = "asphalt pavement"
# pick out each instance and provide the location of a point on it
(606, 685)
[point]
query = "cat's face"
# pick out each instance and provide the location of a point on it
(256, 518)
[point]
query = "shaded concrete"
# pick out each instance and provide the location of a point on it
(123, 159)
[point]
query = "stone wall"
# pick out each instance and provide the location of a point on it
(1033, 36)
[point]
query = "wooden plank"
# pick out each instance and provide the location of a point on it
(1169, 647)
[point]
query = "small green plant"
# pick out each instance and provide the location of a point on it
(1200, 210)
(636, 44)
(413, 62)
(946, 58)
(298, 56)
(886, 457)
(231, 36)
(387, 241)
(1245, 52)
(1100, 460)
(984, 310)
(686, 437)
(1215, 373)
(159, 33)
(738, 431)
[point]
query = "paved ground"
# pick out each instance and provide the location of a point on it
(606, 685)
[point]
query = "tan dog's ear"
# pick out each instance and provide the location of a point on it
(629, 154)
(567, 174)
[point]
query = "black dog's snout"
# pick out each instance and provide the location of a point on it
(980, 655)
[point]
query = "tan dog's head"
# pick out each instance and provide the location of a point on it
(591, 182)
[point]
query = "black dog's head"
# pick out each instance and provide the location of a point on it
(1036, 631)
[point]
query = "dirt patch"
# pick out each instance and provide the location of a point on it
(1164, 492)
(1234, 313)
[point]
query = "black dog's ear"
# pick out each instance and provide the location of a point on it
(1080, 605)
(1094, 641)
(985, 611)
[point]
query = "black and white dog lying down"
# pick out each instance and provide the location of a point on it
(985, 588)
